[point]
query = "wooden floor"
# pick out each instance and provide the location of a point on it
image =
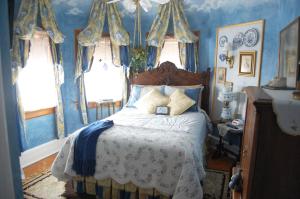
(223, 164)
(38, 167)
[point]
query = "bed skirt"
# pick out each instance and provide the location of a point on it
(110, 189)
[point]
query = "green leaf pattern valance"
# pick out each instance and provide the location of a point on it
(26, 21)
(160, 25)
(92, 33)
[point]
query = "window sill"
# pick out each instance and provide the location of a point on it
(34, 114)
(92, 105)
(117, 104)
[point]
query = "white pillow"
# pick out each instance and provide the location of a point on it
(146, 89)
(137, 91)
(179, 103)
(149, 102)
(194, 92)
(168, 90)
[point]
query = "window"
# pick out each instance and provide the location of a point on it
(170, 52)
(104, 80)
(36, 81)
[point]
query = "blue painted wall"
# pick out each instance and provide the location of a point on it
(203, 15)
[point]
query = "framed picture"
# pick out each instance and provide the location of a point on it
(247, 63)
(289, 55)
(221, 75)
(162, 110)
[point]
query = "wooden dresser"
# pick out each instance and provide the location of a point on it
(270, 159)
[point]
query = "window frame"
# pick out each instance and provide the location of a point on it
(90, 105)
(43, 111)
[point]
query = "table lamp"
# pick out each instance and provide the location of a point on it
(226, 96)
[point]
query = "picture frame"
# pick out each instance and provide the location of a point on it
(247, 63)
(221, 75)
(162, 110)
(289, 53)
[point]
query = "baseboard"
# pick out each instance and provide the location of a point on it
(38, 153)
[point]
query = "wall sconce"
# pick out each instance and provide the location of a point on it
(229, 59)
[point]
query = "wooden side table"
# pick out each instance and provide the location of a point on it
(106, 103)
(223, 130)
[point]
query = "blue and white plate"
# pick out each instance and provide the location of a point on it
(251, 37)
(223, 39)
(222, 57)
(238, 40)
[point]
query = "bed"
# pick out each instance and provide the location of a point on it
(147, 156)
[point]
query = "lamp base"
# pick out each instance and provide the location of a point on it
(226, 113)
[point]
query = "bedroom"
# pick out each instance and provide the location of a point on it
(59, 104)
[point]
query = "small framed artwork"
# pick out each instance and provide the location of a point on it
(247, 63)
(162, 110)
(221, 75)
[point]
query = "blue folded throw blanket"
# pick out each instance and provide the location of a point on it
(85, 147)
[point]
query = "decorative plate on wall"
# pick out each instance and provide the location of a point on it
(223, 39)
(238, 40)
(222, 57)
(251, 37)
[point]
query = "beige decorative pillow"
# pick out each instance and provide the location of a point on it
(151, 100)
(179, 102)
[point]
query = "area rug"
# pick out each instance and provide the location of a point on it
(46, 186)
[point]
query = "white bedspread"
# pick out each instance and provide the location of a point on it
(161, 152)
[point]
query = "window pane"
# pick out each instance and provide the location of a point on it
(104, 81)
(36, 81)
(170, 52)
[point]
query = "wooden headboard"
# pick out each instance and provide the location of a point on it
(168, 74)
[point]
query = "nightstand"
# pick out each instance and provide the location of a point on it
(106, 103)
(224, 130)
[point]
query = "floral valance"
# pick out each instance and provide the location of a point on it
(160, 25)
(31, 11)
(32, 14)
(91, 35)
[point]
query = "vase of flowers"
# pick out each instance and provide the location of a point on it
(138, 60)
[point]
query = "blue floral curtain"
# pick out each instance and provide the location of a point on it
(182, 33)
(25, 25)
(90, 36)
(189, 56)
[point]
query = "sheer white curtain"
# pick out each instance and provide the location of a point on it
(36, 81)
(170, 52)
(104, 80)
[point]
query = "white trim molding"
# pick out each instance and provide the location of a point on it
(6, 172)
(40, 152)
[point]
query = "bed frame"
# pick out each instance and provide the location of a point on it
(165, 74)
(168, 74)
